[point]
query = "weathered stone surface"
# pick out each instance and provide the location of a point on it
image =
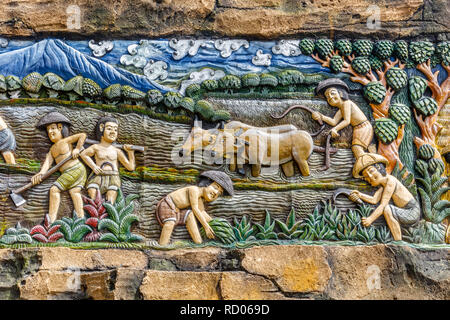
(388, 272)
(230, 18)
(66, 258)
(269, 272)
(294, 268)
(70, 284)
(181, 285)
(242, 286)
(191, 259)
(127, 283)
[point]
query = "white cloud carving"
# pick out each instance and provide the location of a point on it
(3, 42)
(102, 48)
(262, 59)
(184, 47)
(156, 69)
(288, 48)
(227, 47)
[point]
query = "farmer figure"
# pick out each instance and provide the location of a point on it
(183, 206)
(404, 209)
(73, 173)
(105, 169)
(336, 93)
(7, 143)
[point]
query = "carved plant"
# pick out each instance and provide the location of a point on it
(265, 232)
(73, 229)
(230, 83)
(427, 108)
(193, 90)
(289, 230)
(434, 210)
(243, 230)
(250, 81)
(47, 232)
(120, 219)
(96, 211)
(223, 230)
(16, 234)
(314, 227)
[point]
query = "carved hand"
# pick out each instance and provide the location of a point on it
(127, 147)
(334, 133)
(355, 195)
(97, 170)
(316, 115)
(366, 221)
(209, 231)
(75, 153)
(36, 179)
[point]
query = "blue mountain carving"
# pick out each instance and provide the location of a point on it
(57, 57)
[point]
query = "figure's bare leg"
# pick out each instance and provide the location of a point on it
(357, 151)
(191, 226)
(75, 193)
(256, 170)
(288, 168)
(392, 223)
(55, 199)
(9, 157)
(166, 232)
(92, 192)
(111, 196)
(233, 163)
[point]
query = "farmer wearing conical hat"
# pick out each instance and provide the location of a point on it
(405, 210)
(7, 143)
(73, 173)
(183, 206)
(336, 93)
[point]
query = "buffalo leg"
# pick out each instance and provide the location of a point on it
(302, 163)
(288, 168)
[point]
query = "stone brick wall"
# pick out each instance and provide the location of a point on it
(260, 19)
(271, 272)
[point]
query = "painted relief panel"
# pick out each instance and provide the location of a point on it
(227, 142)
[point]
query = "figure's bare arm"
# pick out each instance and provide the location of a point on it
(333, 121)
(385, 198)
(198, 210)
(368, 198)
(87, 155)
(37, 178)
(346, 116)
(129, 163)
(79, 139)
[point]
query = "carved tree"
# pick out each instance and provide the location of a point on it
(427, 108)
(373, 67)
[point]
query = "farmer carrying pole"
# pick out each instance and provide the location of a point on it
(73, 172)
(105, 169)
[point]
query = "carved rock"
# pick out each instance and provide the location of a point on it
(242, 286)
(180, 285)
(294, 269)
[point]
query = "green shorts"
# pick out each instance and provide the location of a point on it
(74, 177)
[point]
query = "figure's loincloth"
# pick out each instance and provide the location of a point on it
(407, 215)
(7, 140)
(73, 177)
(362, 134)
(167, 211)
(106, 181)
